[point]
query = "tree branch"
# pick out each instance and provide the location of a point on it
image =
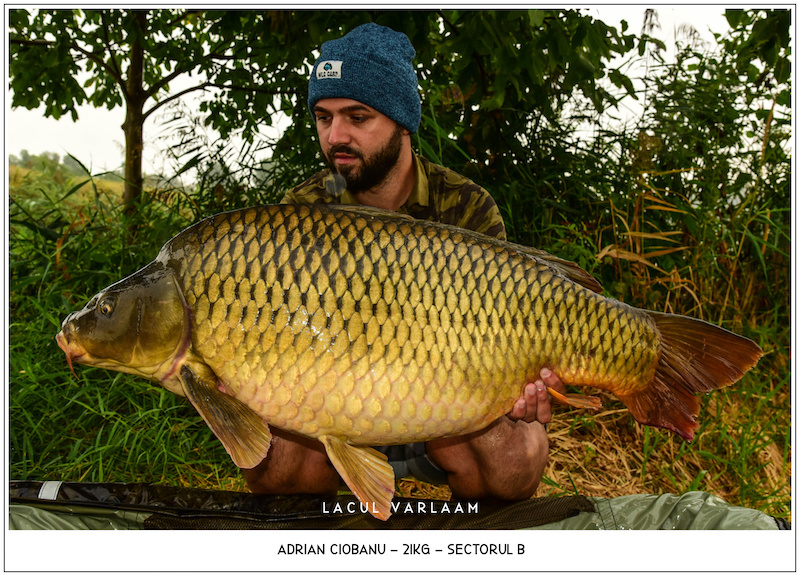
(252, 89)
(114, 70)
(26, 42)
(448, 23)
(167, 79)
(172, 97)
(100, 62)
(180, 17)
(38, 42)
(205, 85)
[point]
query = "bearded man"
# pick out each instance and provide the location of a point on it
(364, 97)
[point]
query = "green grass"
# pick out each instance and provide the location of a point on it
(107, 426)
(67, 241)
(101, 426)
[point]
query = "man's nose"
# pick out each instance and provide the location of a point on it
(339, 133)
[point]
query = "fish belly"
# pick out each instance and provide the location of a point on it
(386, 330)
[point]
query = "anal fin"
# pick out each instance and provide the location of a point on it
(577, 400)
(366, 472)
(243, 433)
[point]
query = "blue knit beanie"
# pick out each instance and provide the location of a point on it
(373, 65)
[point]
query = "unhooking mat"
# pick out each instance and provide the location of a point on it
(74, 506)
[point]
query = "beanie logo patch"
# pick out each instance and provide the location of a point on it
(329, 69)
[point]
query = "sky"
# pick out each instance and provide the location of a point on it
(97, 140)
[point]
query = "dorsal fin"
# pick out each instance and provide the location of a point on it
(563, 267)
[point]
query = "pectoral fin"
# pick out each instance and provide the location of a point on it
(244, 433)
(366, 472)
(577, 400)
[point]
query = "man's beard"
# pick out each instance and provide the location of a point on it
(372, 171)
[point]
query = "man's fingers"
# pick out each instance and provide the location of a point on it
(519, 410)
(534, 403)
(537, 403)
(551, 380)
(543, 403)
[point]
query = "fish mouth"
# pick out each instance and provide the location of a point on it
(74, 351)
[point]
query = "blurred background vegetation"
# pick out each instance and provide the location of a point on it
(683, 208)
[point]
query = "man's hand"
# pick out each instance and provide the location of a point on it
(534, 404)
(506, 459)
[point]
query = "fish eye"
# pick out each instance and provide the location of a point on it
(105, 306)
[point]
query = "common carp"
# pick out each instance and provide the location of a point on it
(361, 327)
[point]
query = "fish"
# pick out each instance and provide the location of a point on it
(360, 327)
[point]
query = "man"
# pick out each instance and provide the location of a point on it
(364, 98)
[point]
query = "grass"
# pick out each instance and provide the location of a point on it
(67, 239)
(37, 192)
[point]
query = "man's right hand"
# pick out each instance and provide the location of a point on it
(534, 404)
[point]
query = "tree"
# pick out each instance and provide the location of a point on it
(134, 56)
(253, 64)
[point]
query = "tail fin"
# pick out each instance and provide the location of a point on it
(696, 357)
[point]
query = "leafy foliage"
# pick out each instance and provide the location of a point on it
(252, 65)
(687, 210)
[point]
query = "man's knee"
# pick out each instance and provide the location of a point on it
(294, 465)
(516, 475)
(506, 461)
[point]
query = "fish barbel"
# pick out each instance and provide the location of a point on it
(361, 327)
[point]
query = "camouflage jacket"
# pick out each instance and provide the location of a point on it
(439, 194)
